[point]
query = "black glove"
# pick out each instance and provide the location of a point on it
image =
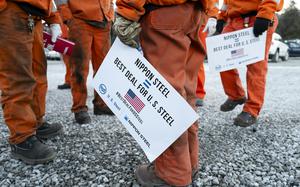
(260, 26)
(220, 26)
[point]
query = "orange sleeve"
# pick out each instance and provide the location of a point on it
(131, 9)
(213, 8)
(53, 18)
(2, 4)
(223, 11)
(267, 8)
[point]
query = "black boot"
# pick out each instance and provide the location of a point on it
(32, 151)
(231, 104)
(63, 86)
(82, 117)
(244, 119)
(47, 130)
(199, 102)
(102, 111)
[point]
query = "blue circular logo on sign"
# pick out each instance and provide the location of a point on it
(102, 88)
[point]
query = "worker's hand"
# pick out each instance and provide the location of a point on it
(220, 26)
(55, 31)
(128, 31)
(210, 26)
(260, 26)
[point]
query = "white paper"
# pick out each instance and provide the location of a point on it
(235, 49)
(157, 115)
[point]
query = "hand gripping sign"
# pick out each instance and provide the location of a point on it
(235, 49)
(145, 103)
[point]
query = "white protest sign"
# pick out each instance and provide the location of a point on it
(235, 49)
(152, 111)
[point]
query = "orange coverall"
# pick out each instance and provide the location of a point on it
(91, 43)
(212, 11)
(177, 27)
(39, 67)
(18, 83)
(231, 12)
(200, 91)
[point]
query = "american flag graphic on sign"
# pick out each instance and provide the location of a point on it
(137, 104)
(237, 52)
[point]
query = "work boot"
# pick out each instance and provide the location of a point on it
(146, 177)
(244, 119)
(82, 117)
(102, 111)
(47, 130)
(64, 86)
(231, 104)
(32, 151)
(199, 102)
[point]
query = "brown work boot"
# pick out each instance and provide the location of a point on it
(231, 104)
(32, 151)
(64, 86)
(47, 130)
(102, 111)
(82, 117)
(245, 119)
(146, 177)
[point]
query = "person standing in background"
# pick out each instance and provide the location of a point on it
(89, 25)
(239, 14)
(207, 29)
(66, 60)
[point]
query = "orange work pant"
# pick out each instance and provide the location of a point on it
(17, 82)
(39, 68)
(200, 91)
(91, 43)
(174, 30)
(256, 73)
(66, 60)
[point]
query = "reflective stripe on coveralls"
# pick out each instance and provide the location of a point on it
(163, 27)
(256, 73)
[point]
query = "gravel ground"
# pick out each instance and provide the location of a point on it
(104, 154)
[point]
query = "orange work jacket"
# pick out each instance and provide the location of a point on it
(134, 9)
(235, 8)
(93, 10)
